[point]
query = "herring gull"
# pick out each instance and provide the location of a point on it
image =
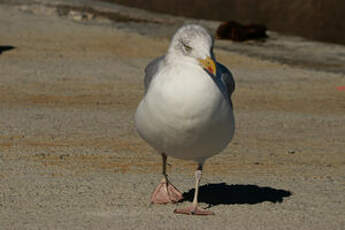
(186, 112)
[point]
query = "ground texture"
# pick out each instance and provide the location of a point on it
(70, 157)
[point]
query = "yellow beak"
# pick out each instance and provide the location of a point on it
(209, 65)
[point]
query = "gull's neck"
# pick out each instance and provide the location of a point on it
(176, 57)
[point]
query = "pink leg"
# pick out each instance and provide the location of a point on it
(194, 209)
(165, 192)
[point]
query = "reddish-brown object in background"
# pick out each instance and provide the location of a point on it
(235, 31)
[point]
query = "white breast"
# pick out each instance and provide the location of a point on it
(185, 115)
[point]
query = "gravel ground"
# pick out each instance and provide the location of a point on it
(70, 157)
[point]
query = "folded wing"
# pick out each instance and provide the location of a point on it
(226, 77)
(151, 70)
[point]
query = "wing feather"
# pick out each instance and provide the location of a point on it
(227, 78)
(151, 70)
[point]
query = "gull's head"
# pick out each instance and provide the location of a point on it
(194, 43)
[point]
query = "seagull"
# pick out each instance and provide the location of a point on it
(186, 111)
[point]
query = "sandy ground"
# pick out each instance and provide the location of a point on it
(70, 157)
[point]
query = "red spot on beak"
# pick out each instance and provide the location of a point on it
(210, 69)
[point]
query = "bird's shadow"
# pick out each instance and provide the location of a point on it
(215, 194)
(6, 48)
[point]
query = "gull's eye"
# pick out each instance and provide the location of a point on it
(186, 47)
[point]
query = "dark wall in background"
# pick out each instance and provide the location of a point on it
(321, 20)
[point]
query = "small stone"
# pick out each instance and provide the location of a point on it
(77, 16)
(80, 16)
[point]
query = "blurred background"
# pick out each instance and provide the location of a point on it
(320, 20)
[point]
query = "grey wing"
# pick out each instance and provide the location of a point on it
(151, 69)
(226, 77)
